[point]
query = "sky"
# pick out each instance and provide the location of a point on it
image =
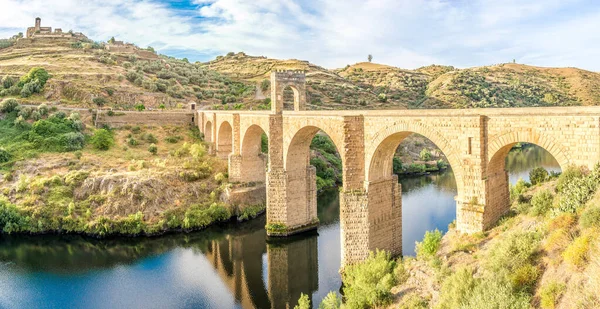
(333, 33)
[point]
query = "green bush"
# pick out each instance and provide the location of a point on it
(457, 289)
(150, 138)
(331, 301)
(538, 175)
(576, 191)
(73, 141)
(102, 139)
(567, 176)
(132, 141)
(8, 105)
(99, 101)
(303, 302)
(496, 293)
(589, 218)
(397, 165)
(518, 189)
(5, 156)
(153, 149)
(368, 284)
(430, 244)
(550, 294)
(140, 107)
(43, 109)
(541, 202)
(425, 155)
(36, 74)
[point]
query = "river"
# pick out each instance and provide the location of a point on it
(231, 266)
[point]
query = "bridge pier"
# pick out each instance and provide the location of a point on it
(291, 202)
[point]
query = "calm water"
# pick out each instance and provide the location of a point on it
(222, 267)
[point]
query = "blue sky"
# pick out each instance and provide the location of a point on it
(333, 33)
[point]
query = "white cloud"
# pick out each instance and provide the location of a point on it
(334, 33)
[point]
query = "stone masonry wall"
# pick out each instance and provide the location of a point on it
(144, 118)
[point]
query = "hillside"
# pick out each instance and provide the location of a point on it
(80, 74)
(84, 71)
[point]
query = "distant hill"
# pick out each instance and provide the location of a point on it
(83, 72)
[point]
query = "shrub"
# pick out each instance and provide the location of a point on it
(102, 139)
(414, 301)
(425, 155)
(589, 218)
(35, 115)
(397, 165)
(331, 301)
(576, 253)
(31, 88)
(456, 289)
(43, 109)
(5, 156)
(493, 293)
(369, 284)
(541, 202)
(518, 189)
(36, 74)
(577, 191)
(8, 105)
(220, 177)
(538, 175)
(153, 149)
(550, 294)
(430, 244)
(303, 302)
(73, 141)
(20, 123)
(567, 176)
(132, 141)
(173, 139)
(99, 101)
(148, 137)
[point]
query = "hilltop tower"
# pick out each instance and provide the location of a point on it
(38, 23)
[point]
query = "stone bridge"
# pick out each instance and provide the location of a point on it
(475, 142)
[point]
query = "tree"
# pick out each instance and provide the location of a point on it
(140, 107)
(303, 302)
(8, 105)
(99, 101)
(112, 40)
(162, 106)
(370, 57)
(39, 74)
(538, 175)
(102, 139)
(153, 149)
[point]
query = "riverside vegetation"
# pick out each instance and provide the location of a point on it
(544, 254)
(60, 176)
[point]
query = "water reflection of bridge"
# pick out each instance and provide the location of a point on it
(291, 268)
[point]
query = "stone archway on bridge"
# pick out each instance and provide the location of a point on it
(301, 186)
(497, 189)
(253, 160)
(208, 131)
(224, 142)
(383, 191)
(283, 79)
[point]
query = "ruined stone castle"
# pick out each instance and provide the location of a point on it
(46, 32)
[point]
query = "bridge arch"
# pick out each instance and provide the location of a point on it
(295, 102)
(500, 146)
(497, 189)
(379, 154)
(253, 160)
(224, 139)
(208, 131)
(301, 187)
